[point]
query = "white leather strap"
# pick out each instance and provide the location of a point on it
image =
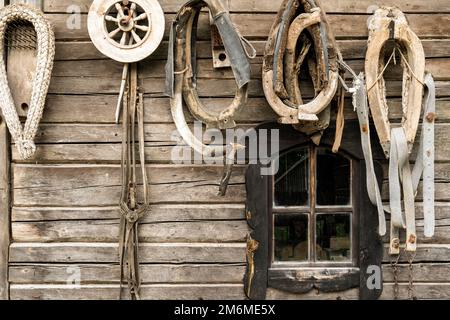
(361, 106)
(424, 166)
(399, 147)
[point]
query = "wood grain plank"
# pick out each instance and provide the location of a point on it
(161, 133)
(330, 6)
(257, 25)
(425, 253)
(101, 109)
(109, 230)
(111, 292)
(170, 253)
(76, 185)
(351, 49)
(157, 213)
(110, 273)
(422, 272)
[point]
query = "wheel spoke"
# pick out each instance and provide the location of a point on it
(123, 40)
(143, 28)
(113, 33)
(142, 16)
(136, 38)
(111, 18)
(133, 6)
(119, 10)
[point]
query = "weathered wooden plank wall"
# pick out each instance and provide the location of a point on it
(64, 212)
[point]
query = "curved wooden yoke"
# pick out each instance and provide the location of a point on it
(391, 24)
(301, 24)
(181, 78)
(185, 31)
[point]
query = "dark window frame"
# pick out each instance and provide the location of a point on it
(297, 280)
(313, 210)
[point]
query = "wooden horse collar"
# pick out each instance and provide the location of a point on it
(391, 24)
(181, 78)
(282, 63)
(185, 27)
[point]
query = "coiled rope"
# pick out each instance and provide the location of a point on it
(45, 38)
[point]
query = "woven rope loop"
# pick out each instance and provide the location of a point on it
(11, 18)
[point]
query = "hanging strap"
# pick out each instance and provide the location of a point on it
(426, 157)
(361, 106)
(132, 211)
(409, 181)
(399, 150)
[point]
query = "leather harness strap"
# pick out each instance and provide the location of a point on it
(360, 104)
(131, 208)
(400, 174)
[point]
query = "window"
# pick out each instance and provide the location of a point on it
(312, 224)
(312, 209)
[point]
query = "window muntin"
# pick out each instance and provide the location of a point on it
(291, 183)
(327, 211)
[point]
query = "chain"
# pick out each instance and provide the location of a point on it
(411, 294)
(394, 265)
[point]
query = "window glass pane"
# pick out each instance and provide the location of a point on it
(291, 238)
(292, 180)
(333, 179)
(333, 237)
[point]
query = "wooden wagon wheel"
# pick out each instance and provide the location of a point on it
(126, 31)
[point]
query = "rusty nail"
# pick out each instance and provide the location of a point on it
(364, 128)
(431, 117)
(412, 239)
(396, 243)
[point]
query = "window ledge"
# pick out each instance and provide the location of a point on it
(303, 280)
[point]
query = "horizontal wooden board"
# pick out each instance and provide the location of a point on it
(109, 230)
(172, 253)
(157, 213)
(425, 253)
(330, 6)
(441, 234)
(73, 185)
(274, 294)
(100, 109)
(111, 292)
(350, 49)
(440, 291)
(149, 69)
(257, 25)
(422, 291)
(101, 143)
(422, 272)
(109, 273)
